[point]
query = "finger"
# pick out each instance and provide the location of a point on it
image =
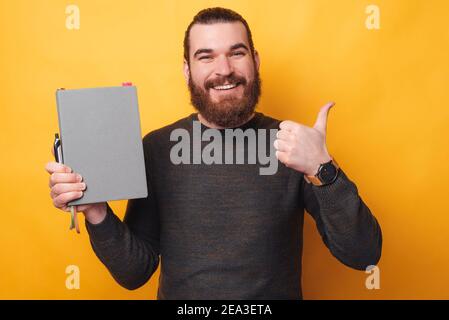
(64, 178)
(59, 188)
(82, 208)
(78, 208)
(288, 125)
(53, 166)
(77, 228)
(64, 198)
(282, 157)
(321, 121)
(281, 145)
(285, 135)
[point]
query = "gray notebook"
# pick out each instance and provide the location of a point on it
(101, 140)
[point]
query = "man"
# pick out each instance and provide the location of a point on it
(227, 231)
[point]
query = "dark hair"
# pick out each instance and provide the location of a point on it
(215, 15)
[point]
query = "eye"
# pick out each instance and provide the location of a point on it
(204, 57)
(238, 53)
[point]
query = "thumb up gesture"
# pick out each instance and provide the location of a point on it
(303, 148)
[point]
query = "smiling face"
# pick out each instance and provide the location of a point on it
(222, 73)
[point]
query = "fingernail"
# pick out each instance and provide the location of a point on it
(83, 186)
(79, 178)
(68, 170)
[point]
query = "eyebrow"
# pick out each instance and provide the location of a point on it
(200, 51)
(239, 45)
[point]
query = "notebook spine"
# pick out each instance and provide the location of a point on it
(58, 91)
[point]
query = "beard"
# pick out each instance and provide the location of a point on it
(231, 111)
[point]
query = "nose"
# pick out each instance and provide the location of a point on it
(223, 67)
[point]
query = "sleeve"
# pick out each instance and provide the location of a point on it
(129, 249)
(345, 223)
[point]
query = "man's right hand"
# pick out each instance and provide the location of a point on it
(66, 186)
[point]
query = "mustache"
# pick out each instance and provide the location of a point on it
(222, 80)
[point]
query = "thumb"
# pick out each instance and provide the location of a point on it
(321, 120)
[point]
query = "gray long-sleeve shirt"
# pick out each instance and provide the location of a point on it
(224, 231)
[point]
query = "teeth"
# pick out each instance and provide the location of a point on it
(226, 87)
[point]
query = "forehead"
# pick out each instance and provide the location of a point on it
(217, 36)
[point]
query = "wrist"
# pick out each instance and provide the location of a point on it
(326, 174)
(313, 171)
(96, 213)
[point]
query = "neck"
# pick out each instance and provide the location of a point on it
(214, 126)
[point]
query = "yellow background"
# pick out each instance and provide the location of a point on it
(389, 129)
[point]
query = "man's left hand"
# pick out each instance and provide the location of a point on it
(301, 147)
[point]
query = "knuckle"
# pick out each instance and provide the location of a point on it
(278, 144)
(291, 148)
(56, 189)
(282, 145)
(52, 179)
(64, 198)
(55, 202)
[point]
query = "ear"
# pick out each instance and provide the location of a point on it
(256, 59)
(186, 70)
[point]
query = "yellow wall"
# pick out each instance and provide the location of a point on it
(389, 129)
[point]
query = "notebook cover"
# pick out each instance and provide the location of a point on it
(101, 140)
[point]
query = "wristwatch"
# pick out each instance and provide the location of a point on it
(327, 173)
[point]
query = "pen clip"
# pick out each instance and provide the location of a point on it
(57, 145)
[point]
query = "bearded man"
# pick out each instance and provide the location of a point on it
(224, 231)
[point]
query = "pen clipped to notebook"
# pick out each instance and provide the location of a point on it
(57, 148)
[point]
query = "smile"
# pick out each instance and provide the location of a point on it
(226, 86)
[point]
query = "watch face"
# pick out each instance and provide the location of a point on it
(327, 173)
